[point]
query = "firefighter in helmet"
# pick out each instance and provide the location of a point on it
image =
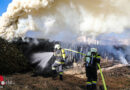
(57, 66)
(91, 60)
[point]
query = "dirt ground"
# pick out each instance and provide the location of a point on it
(116, 79)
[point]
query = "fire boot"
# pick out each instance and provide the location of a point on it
(89, 87)
(61, 77)
(54, 74)
(94, 87)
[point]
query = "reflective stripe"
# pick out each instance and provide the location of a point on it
(88, 83)
(93, 56)
(61, 73)
(53, 68)
(59, 62)
(98, 57)
(62, 63)
(59, 55)
(63, 53)
(94, 82)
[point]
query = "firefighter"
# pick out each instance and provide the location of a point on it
(57, 66)
(91, 60)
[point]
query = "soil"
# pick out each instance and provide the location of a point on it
(116, 79)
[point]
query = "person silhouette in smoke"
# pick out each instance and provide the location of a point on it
(91, 60)
(60, 56)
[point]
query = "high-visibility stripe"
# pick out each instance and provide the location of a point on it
(88, 83)
(63, 53)
(61, 73)
(53, 68)
(59, 55)
(60, 62)
(94, 82)
(98, 57)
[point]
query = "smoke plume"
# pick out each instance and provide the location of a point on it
(106, 21)
(53, 18)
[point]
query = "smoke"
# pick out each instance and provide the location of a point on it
(52, 18)
(103, 21)
(123, 60)
(31, 41)
(16, 21)
(108, 52)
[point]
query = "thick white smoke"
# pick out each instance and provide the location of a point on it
(52, 18)
(16, 21)
(68, 20)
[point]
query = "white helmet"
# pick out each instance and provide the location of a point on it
(93, 50)
(57, 46)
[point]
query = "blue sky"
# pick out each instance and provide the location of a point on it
(4, 5)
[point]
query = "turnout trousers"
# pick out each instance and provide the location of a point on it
(57, 67)
(91, 74)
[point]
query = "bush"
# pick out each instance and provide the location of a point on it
(11, 59)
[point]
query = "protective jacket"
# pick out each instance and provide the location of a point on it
(91, 59)
(60, 55)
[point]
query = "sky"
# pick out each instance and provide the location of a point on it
(3, 6)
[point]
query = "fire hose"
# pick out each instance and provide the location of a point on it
(75, 51)
(103, 80)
